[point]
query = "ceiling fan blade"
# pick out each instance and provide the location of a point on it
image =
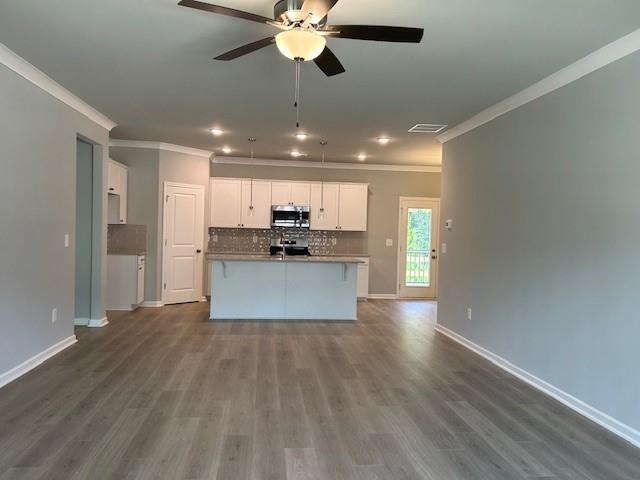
(329, 63)
(230, 12)
(245, 49)
(318, 8)
(378, 33)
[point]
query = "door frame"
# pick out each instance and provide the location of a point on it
(400, 241)
(163, 200)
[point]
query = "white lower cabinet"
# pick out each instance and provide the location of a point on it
(125, 281)
(363, 278)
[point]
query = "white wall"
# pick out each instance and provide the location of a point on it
(546, 241)
(37, 207)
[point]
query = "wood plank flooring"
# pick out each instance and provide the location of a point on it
(166, 394)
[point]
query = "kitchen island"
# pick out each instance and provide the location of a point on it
(265, 287)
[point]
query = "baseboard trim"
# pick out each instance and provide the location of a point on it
(81, 322)
(98, 322)
(382, 296)
(36, 360)
(203, 299)
(616, 427)
(152, 304)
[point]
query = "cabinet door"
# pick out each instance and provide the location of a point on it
(256, 204)
(140, 283)
(327, 219)
(353, 207)
(113, 178)
(301, 194)
(124, 182)
(280, 193)
(226, 198)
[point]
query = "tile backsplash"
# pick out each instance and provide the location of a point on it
(126, 239)
(241, 240)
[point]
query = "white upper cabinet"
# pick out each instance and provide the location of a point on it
(280, 193)
(301, 194)
(256, 204)
(117, 186)
(352, 213)
(333, 206)
(113, 178)
(324, 206)
(226, 206)
(290, 193)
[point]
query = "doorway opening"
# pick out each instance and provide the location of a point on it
(417, 247)
(88, 235)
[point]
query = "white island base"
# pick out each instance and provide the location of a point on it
(292, 289)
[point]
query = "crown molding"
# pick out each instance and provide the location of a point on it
(167, 147)
(19, 65)
(589, 64)
(334, 165)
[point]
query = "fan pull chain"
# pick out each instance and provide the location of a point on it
(296, 103)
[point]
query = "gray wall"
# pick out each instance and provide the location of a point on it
(142, 205)
(37, 207)
(385, 189)
(148, 170)
(84, 227)
(546, 240)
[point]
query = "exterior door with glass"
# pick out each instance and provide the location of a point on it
(418, 248)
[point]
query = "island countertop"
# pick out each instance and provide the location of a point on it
(229, 257)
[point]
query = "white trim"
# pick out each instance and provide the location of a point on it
(382, 296)
(589, 64)
(335, 165)
(97, 322)
(151, 304)
(203, 299)
(615, 426)
(168, 147)
(36, 360)
(81, 322)
(30, 73)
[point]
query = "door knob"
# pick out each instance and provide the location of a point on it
(198, 251)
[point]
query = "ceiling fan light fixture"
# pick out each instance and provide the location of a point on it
(302, 136)
(300, 44)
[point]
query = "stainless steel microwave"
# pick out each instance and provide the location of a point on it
(289, 216)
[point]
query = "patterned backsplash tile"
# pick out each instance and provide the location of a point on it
(240, 240)
(126, 239)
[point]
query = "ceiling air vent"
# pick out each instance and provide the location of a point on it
(427, 128)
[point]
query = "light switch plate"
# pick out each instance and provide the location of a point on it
(66, 240)
(389, 242)
(469, 312)
(443, 249)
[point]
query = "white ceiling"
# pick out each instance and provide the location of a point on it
(147, 64)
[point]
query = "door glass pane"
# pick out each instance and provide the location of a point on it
(418, 247)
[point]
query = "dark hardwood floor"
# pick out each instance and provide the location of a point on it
(164, 393)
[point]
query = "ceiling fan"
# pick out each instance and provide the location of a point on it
(304, 31)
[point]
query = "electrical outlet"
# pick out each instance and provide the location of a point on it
(334, 241)
(389, 242)
(54, 315)
(66, 240)
(469, 312)
(214, 238)
(255, 239)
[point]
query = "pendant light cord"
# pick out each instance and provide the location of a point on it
(296, 102)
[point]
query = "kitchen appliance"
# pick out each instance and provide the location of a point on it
(289, 216)
(293, 247)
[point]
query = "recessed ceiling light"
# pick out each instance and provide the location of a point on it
(362, 157)
(383, 140)
(217, 131)
(226, 150)
(296, 153)
(301, 136)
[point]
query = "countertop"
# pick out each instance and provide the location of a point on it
(277, 258)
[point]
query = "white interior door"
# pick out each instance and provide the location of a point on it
(418, 248)
(183, 243)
